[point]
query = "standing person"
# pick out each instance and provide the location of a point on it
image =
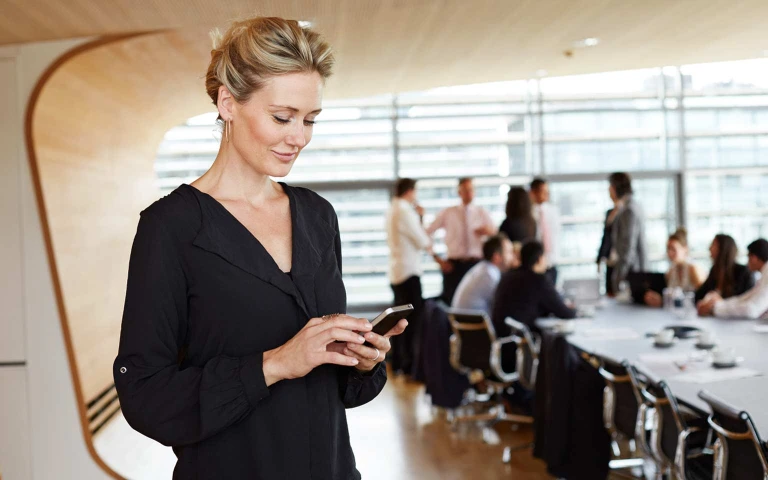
(520, 224)
(606, 245)
(726, 278)
(406, 239)
(681, 274)
(478, 287)
(547, 224)
(628, 235)
(234, 348)
(466, 226)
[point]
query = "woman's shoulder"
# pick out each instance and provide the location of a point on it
(178, 212)
(311, 200)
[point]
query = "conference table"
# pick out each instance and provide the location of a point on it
(618, 332)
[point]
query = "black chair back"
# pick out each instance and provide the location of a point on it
(740, 454)
(621, 402)
(473, 335)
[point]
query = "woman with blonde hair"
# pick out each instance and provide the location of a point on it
(681, 274)
(232, 349)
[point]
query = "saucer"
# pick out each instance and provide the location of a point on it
(730, 364)
(705, 346)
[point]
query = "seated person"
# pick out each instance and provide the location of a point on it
(727, 277)
(753, 303)
(478, 287)
(681, 273)
(526, 294)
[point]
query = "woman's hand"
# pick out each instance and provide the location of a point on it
(370, 356)
(653, 299)
(309, 348)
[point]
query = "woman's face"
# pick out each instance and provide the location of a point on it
(714, 249)
(676, 252)
(612, 193)
(269, 131)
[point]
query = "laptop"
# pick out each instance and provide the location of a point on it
(584, 292)
(641, 282)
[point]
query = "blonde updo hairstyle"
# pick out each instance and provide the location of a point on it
(254, 50)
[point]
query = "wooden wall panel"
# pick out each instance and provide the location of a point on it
(94, 131)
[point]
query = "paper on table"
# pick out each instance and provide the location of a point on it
(712, 375)
(761, 327)
(603, 333)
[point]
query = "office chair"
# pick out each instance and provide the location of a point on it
(477, 353)
(739, 452)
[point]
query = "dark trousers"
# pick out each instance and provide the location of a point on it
(451, 280)
(405, 346)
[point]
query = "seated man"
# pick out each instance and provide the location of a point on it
(751, 304)
(478, 287)
(526, 294)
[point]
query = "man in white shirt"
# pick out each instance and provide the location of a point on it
(407, 240)
(754, 302)
(466, 227)
(478, 287)
(547, 224)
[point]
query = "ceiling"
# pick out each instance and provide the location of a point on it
(386, 46)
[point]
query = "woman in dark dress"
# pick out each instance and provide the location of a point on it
(726, 277)
(520, 226)
(232, 349)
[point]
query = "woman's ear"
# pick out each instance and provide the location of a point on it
(225, 103)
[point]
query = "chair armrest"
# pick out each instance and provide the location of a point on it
(507, 377)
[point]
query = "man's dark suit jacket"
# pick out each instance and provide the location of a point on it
(525, 296)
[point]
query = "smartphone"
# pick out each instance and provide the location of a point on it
(387, 319)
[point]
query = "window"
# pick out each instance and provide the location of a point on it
(706, 125)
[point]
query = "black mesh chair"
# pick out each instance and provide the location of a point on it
(621, 407)
(679, 438)
(477, 353)
(739, 452)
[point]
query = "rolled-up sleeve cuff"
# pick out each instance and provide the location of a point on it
(252, 377)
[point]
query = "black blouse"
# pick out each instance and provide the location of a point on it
(204, 301)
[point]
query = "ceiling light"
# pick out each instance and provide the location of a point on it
(586, 42)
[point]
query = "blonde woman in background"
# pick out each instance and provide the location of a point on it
(681, 274)
(233, 350)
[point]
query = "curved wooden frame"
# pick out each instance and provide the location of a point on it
(54, 189)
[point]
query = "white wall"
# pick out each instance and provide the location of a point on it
(40, 433)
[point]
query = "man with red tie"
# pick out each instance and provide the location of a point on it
(466, 227)
(547, 224)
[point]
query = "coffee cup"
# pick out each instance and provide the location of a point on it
(565, 327)
(665, 336)
(706, 338)
(724, 355)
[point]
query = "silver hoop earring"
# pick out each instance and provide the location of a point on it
(226, 130)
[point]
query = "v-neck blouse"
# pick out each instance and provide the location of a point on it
(204, 300)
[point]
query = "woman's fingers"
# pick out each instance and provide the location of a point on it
(346, 322)
(397, 329)
(363, 352)
(340, 335)
(340, 359)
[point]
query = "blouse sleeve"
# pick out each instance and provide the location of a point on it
(355, 387)
(172, 405)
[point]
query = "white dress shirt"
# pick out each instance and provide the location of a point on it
(406, 239)
(548, 222)
(751, 304)
(478, 288)
(460, 223)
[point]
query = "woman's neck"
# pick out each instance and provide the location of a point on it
(230, 178)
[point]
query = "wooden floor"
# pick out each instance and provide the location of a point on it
(397, 436)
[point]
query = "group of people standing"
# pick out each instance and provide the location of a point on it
(511, 271)
(477, 251)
